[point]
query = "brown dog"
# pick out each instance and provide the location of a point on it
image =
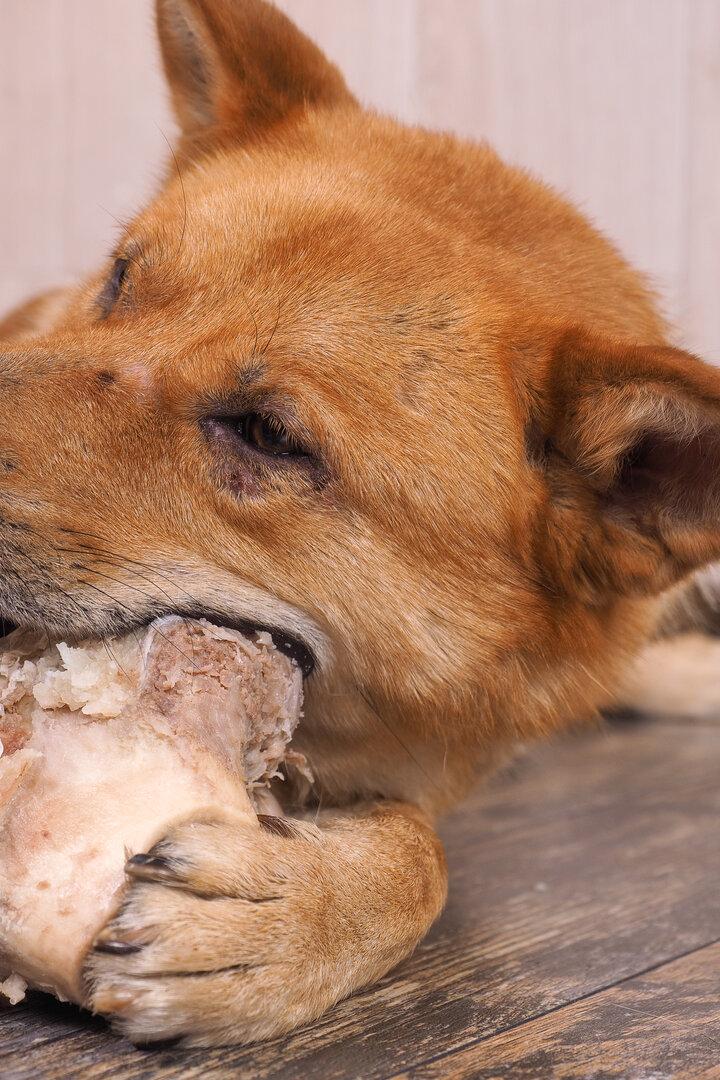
(370, 387)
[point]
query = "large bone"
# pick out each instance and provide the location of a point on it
(104, 749)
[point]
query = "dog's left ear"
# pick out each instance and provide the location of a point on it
(628, 439)
(239, 68)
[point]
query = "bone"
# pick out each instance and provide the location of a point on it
(105, 748)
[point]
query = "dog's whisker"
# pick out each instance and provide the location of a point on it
(268, 343)
(113, 657)
(115, 600)
(109, 577)
(255, 323)
(44, 575)
(182, 188)
(376, 713)
(123, 561)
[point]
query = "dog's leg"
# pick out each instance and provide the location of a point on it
(233, 933)
(679, 673)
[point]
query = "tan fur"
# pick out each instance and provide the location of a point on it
(508, 469)
(677, 678)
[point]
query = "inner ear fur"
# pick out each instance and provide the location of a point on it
(628, 440)
(238, 68)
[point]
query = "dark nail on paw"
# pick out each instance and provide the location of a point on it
(277, 825)
(149, 860)
(116, 948)
(151, 868)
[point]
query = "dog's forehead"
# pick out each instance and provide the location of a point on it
(257, 220)
(304, 262)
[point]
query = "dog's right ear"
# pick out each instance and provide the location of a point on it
(238, 69)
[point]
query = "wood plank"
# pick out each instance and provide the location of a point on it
(372, 42)
(118, 123)
(33, 137)
(700, 314)
(589, 96)
(595, 859)
(82, 115)
(666, 1022)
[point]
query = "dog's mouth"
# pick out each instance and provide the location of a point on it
(289, 644)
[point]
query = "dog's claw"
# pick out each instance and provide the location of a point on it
(280, 826)
(115, 947)
(150, 868)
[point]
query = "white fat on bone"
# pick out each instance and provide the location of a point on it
(104, 748)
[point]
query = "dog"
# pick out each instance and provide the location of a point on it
(369, 387)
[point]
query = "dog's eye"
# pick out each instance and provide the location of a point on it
(113, 286)
(268, 434)
(248, 444)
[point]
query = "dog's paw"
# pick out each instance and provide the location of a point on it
(678, 677)
(228, 933)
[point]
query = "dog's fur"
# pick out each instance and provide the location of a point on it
(499, 470)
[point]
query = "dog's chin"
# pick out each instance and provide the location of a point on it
(288, 643)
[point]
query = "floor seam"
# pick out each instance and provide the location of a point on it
(555, 1009)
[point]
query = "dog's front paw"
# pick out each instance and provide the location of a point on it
(228, 933)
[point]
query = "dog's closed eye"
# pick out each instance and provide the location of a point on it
(113, 287)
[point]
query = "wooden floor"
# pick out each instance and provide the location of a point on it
(582, 939)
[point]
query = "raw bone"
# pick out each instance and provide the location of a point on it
(203, 716)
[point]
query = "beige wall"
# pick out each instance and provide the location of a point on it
(615, 101)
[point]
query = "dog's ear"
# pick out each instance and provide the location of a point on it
(628, 440)
(238, 68)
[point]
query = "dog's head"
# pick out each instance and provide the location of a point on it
(363, 385)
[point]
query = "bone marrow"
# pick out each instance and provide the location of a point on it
(106, 746)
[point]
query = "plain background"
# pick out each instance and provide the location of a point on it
(616, 102)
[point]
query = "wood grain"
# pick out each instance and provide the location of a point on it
(373, 43)
(594, 860)
(592, 97)
(82, 116)
(700, 311)
(667, 1022)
